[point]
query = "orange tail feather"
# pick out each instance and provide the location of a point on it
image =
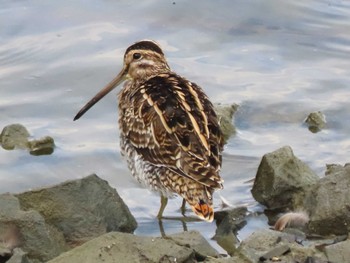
(203, 211)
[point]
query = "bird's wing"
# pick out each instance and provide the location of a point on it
(172, 123)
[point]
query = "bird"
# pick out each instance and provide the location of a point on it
(169, 131)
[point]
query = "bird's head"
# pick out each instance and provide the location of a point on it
(142, 60)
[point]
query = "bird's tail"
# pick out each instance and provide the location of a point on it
(203, 210)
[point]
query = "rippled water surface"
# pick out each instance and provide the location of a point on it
(279, 60)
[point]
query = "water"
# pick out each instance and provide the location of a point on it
(279, 60)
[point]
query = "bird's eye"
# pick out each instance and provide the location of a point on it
(136, 56)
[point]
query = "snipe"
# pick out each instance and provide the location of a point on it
(169, 131)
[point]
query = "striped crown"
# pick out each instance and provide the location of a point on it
(145, 45)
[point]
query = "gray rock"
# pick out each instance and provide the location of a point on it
(225, 114)
(328, 203)
(28, 230)
(42, 146)
(14, 136)
(230, 220)
(269, 242)
(316, 121)
(81, 209)
(333, 168)
(282, 179)
(237, 258)
(195, 241)
(5, 253)
(305, 254)
(228, 242)
(228, 223)
(277, 251)
(339, 252)
(260, 242)
(122, 247)
(19, 256)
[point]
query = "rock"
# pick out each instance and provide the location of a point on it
(228, 223)
(257, 244)
(14, 136)
(316, 121)
(28, 230)
(74, 212)
(5, 253)
(333, 168)
(282, 179)
(19, 256)
(305, 254)
(225, 114)
(195, 241)
(231, 220)
(81, 209)
(43, 146)
(328, 201)
(123, 247)
(275, 252)
(339, 252)
(237, 258)
(269, 243)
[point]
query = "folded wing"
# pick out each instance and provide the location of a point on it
(179, 131)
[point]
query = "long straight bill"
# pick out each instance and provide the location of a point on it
(109, 87)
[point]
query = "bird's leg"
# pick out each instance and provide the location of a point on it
(183, 207)
(161, 228)
(184, 225)
(163, 203)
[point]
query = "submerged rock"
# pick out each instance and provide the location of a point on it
(42, 146)
(225, 114)
(328, 203)
(122, 247)
(14, 136)
(81, 209)
(282, 179)
(316, 121)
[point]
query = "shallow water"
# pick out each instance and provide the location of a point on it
(279, 60)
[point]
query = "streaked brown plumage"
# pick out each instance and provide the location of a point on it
(169, 131)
